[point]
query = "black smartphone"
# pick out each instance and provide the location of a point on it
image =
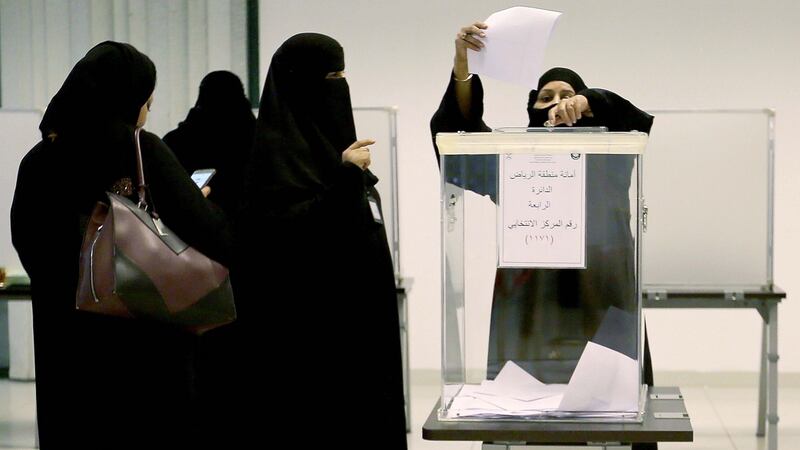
(201, 177)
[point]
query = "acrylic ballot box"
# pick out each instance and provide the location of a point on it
(541, 280)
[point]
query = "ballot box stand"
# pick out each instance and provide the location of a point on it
(541, 287)
(665, 420)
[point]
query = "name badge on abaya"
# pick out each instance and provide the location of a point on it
(376, 211)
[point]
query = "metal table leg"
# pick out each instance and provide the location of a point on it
(762, 378)
(402, 309)
(772, 371)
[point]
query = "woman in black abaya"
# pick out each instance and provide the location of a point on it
(104, 382)
(218, 134)
(313, 255)
(542, 318)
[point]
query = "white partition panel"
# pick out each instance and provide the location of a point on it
(708, 180)
(380, 124)
(19, 132)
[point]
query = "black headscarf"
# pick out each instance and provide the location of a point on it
(221, 90)
(217, 133)
(537, 117)
(562, 74)
(305, 122)
(107, 86)
(98, 105)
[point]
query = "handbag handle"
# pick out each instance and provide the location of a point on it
(140, 170)
(142, 190)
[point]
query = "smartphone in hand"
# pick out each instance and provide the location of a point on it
(201, 177)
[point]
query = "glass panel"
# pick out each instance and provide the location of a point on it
(453, 357)
(527, 343)
(708, 193)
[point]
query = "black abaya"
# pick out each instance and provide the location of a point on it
(104, 382)
(313, 259)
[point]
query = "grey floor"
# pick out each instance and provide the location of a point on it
(723, 417)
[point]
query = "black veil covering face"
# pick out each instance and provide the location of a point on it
(537, 117)
(306, 115)
(312, 262)
(218, 134)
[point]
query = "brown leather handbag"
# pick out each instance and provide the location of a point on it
(132, 265)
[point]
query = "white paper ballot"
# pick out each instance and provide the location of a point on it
(604, 385)
(470, 403)
(604, 380)
(515, 383)
(513, 375)
(515, 43)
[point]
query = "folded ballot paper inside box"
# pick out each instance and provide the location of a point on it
(604, 385)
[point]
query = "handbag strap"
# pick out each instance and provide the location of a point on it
(142, 189)
(149, 208)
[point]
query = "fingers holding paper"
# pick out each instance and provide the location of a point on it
(517, 38)
(469, 37)
(569, 110)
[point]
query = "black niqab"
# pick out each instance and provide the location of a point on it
(537, 117)
(311, 255)
(305, 122)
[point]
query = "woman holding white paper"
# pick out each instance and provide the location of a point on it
(542, 318)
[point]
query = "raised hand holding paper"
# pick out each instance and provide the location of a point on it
(515, 40)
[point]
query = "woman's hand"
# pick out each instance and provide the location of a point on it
(467, 37)
(206, 190)
(569, 111)
(358, 153)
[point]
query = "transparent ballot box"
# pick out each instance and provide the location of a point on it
(541, 279)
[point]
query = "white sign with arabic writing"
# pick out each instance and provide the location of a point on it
(542, 213)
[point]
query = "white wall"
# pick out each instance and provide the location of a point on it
(42, 39)
(658, 54)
